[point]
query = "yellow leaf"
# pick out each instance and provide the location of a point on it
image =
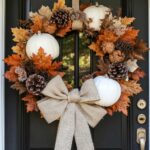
(19, 48)
(20, 35)
(127, 21)
(59, 5)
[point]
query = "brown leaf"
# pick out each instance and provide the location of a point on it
(131, 87)
(37, 24)
(121, 106)
(49, 28)
(96, 48)
(127, 21)
(30, 103)
(107, 36)
(84, 6)
(130, 36)
(59, 5)
(14, 60)
(20, 35)
(11, 75)
(137, 74)
(19, 87)
(63, 31)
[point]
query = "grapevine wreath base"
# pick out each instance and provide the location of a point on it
(38, 76)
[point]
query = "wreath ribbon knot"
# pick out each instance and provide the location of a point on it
(75, 109)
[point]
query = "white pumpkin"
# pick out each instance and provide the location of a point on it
(109, 91)
(45, 41)
(95, 14)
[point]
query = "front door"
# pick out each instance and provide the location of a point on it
(29, 131)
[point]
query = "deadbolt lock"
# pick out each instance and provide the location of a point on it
(141, 118)
(141, 104)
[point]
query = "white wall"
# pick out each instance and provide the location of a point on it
(2, 22)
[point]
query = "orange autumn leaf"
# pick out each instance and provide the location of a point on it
(44, 62)
(11, 75)
(96, 48)
(20, 35)
(137, 74)
(19, 48)
(131, 87)
(41, 60)
(130, 36)
(63, 31)
(107, 36)
(37, 24)
(14, 60)
(59, 5)
(30, 103)
(121, 106)
(49, 28)
(127, 21)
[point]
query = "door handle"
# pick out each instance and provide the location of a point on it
(141, 138)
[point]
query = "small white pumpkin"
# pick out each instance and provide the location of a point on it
(109, 91)
(95, 14)
(45, 41)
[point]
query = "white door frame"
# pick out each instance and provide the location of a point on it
(2, 45)
(2, 87)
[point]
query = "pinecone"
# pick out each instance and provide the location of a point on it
(29, 67)
(125, 47)
(26, 24)
(118, 71)
(61, 18)
(22, 75)
(35, 84)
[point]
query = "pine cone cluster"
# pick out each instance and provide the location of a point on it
(35, 84)
(61, 18)
(125, 47)
(118, 71)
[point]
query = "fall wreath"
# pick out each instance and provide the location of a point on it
(37, 74)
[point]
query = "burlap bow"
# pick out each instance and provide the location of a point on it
(75, 109)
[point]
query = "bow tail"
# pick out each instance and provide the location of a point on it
(82, 133)
(66, 129)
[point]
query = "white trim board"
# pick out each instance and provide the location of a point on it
(2, 41)
(149, 65)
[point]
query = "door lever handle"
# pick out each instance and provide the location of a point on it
(141, 138)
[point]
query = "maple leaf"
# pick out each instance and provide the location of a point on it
(130, 36)
(19, 87)
(121, 106)
(49, 28)
(44, 62)
(59, 5)
(107, 36)
(30, 103)
(11, 75)
(96, 48)
(20, 34)
(14, 60)
(137, 74)
(131, 87)
(127, 21)
(63, 31)
(45, 11)
(19, 48)
(37, 24)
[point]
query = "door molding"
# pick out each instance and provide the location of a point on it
(2, 43)
(149, 63)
